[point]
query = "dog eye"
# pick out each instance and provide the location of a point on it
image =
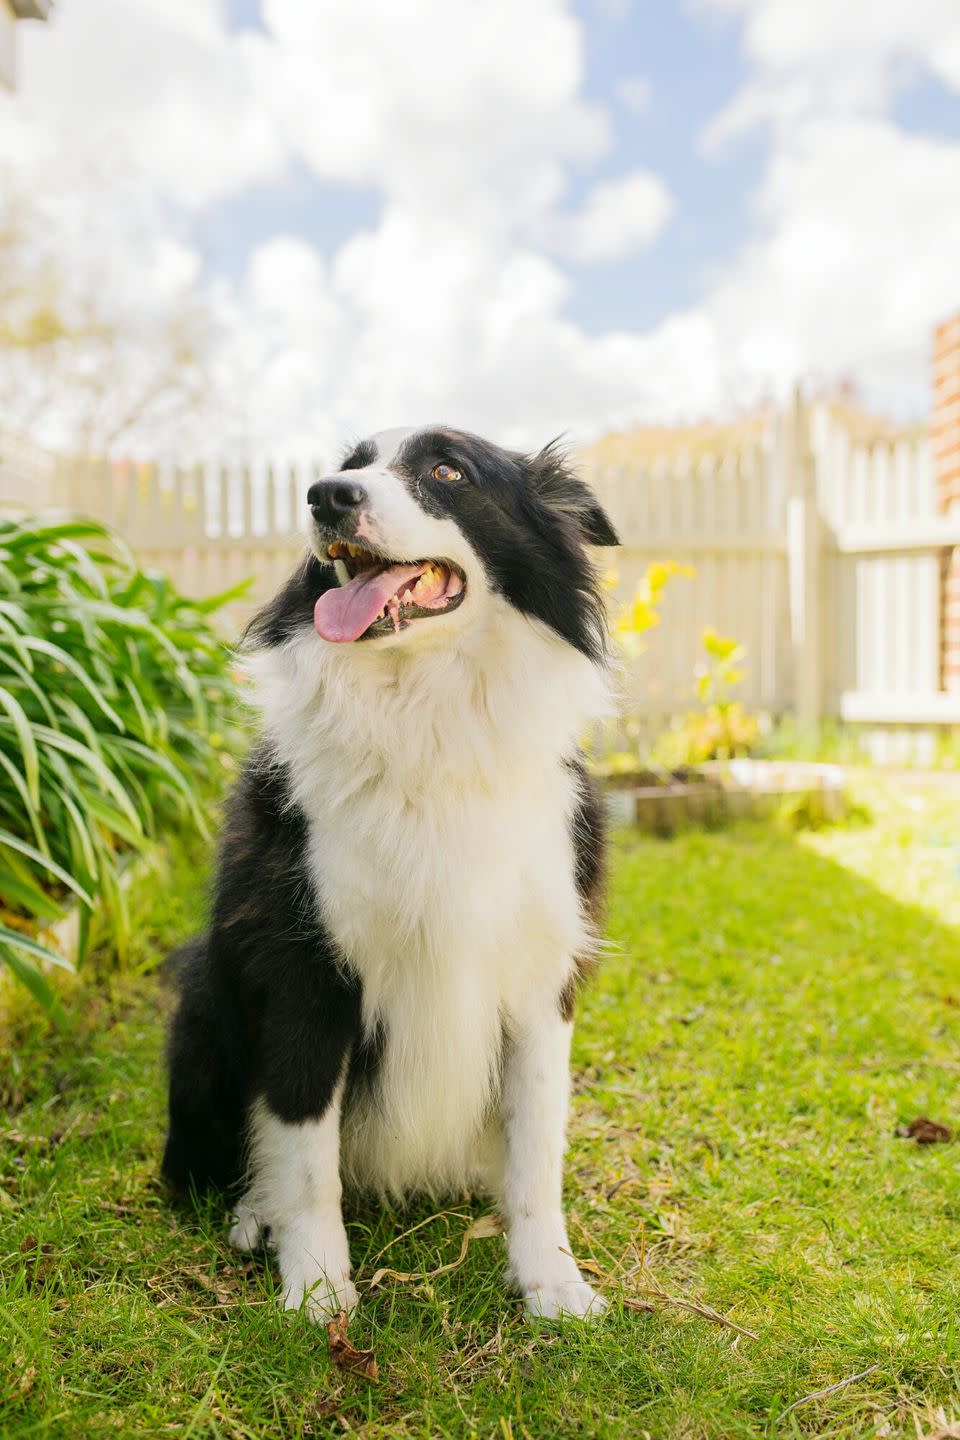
(445, 472)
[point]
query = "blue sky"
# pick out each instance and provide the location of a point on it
(525, 216)
(692, 63)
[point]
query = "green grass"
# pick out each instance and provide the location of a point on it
(773, 1007)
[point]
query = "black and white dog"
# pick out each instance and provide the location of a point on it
(410, 873)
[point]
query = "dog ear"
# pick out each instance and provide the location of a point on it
(560, 487)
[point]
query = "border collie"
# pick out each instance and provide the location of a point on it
(410, 873)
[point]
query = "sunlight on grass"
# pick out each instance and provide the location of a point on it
(773, 1008)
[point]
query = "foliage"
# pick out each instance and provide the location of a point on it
(114, 697)
(831, 741)
(723, 728)
(742, 1062)
(633, 621)
(107, 365)
(642, 613)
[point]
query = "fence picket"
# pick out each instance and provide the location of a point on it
(719, 506)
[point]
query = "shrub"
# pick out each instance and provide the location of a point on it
(724, 728)
(115, 693)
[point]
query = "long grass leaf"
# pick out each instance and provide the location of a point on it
(13, 842)
(60, 657)
(26, 741)
(32, 980)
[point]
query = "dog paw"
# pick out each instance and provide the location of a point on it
(322, 1300)
(567, 1300)
(246, 1232)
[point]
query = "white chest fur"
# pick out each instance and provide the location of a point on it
(439, 814)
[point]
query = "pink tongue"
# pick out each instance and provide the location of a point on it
(345, 611)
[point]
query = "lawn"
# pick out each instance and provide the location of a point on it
(774, 1006)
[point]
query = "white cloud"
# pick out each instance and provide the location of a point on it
(451, 106)
(408, 333)
(445, 305)
(856, 262)
(133, 119)
(618, 217)
(160, 89)
(854, 256)
(823, 59)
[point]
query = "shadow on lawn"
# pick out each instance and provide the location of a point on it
(765, 1021)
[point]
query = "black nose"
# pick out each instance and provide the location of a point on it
(332, 500)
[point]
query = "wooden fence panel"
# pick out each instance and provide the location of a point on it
(879, 506)
(713, 514)
(814, 541)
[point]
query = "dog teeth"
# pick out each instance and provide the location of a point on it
(343, 574)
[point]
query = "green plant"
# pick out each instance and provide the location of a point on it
(630, 625)
(724, 727)
(830, 741)
(115, 692)
(642, 613)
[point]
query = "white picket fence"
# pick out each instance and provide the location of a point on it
(209, 527)
(717, 509)
(817, 542)
(813, 534)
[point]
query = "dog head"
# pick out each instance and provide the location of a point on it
(422, 533)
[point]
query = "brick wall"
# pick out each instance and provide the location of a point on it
(945, 432)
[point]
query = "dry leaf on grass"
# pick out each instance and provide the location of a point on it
(27, 1381)
(936, 1426)
(924, 1131)
(345, 1355)
(483, 1229)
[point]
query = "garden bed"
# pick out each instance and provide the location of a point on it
(662, 803)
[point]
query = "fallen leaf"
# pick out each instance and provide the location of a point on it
(345, 1355)
(924, 1131)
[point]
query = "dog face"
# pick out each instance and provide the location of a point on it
(421, 534)
(424, 529)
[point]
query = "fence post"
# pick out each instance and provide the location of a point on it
(804, 565)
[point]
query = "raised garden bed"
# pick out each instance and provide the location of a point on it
(665, 802)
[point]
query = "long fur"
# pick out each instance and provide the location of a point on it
(410, 871)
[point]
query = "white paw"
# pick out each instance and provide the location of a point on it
(246, 1230)
(568, 1298)
(322, 1299)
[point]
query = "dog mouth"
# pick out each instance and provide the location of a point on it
(375, 595)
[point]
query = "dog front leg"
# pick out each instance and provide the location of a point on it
(296, 1191)
(535, 1101)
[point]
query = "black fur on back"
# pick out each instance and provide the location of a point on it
(264, 1008)
(588, 828)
